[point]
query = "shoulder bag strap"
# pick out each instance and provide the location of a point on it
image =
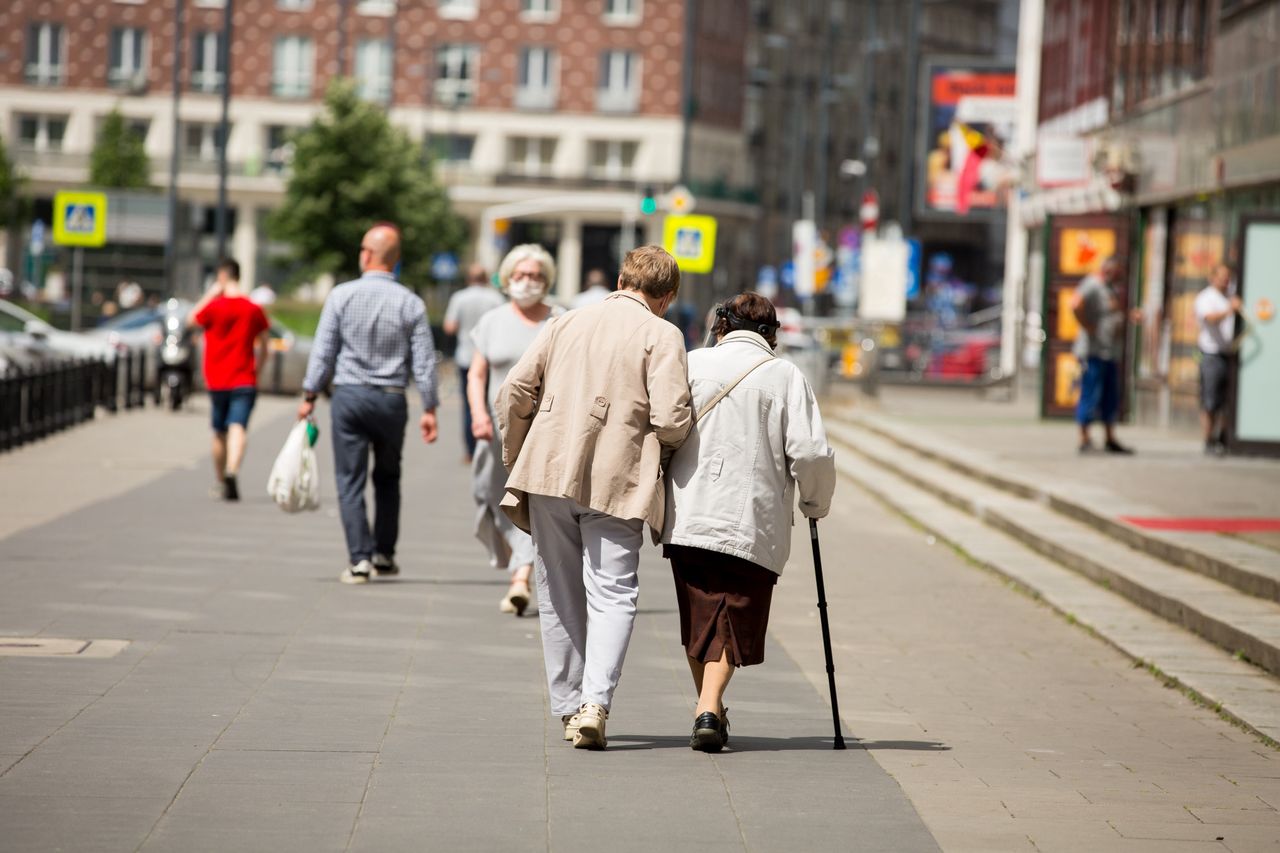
(724, 392)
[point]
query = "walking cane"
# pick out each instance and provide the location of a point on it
(826, 632)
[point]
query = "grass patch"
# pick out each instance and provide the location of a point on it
(301, 318)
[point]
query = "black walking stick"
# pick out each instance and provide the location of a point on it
(826, 631)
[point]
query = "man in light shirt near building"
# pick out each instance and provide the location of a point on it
(1216, 317)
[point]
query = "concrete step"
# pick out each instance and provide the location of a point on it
(1237, 622)
(1238, 690)
(1249, 568)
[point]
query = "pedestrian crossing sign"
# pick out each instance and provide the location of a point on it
(691, 240)
(80, 219)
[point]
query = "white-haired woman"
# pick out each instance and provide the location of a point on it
(500, 337)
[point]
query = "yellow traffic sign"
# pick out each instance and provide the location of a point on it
(80, 218)
(691, 240)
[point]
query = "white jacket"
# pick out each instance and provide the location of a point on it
(731, 485)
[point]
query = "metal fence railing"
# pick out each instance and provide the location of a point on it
(40, 401)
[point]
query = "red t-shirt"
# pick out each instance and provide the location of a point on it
(231, 326)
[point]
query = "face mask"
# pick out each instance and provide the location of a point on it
(525, 292)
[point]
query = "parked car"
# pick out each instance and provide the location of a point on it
(74, 344)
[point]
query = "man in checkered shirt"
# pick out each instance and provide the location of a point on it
(373, 334)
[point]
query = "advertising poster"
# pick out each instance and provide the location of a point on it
(969, 114)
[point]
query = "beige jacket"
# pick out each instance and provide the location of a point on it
(590, 409)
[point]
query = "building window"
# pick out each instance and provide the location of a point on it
(539, 10)
(373, 70)
(622, 11)
(453, 149)
(536, 78)
(128, 60)
(612, 159)
(46, 48)
(279, 145)
(211, 4)
(458, 9)
(206, 62)
(41, 132)
(294, 5)
(619, 90)
(456, 74)
(530, 155)
(200, 141)
(294, 59)
(137, 127)
(376, 8)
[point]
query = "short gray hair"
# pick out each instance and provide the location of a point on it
(524, 252)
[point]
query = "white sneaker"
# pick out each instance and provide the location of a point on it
(570, 726)
(359, 573)
(590, 734)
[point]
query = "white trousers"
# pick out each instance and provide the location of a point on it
(587, 588)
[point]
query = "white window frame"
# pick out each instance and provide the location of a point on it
(49, 67)
(42, 142)
(134, 42)
(539, 11)
(373, 73)
(206, 75)
(279, 158)
(458, 10)
(294, 5)
(211, 4)
(293, 67)
(612, 97)
(616, 166)
(452, 89)
(532, 163)
(537, 77)
(376, 8)
(624, 13)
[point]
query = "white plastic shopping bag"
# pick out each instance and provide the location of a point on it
(294, 483)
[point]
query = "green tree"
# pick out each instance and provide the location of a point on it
(13, 207)
(351, 169)
(119, 159)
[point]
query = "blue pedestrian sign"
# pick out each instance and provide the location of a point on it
(915, 255)
(788, 274)
(80, 218)
(444, 266)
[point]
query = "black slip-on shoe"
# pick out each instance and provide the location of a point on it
(707, 736)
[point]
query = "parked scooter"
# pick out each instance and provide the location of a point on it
(176, 372)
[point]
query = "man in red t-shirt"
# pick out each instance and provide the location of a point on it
(232, 324)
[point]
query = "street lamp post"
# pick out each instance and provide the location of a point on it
(224, 129)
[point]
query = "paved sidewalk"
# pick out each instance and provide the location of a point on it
(261, 705)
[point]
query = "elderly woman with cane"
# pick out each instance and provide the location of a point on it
(500, 337)
(757, 441)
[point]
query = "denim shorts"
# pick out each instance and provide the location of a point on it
(232, 407)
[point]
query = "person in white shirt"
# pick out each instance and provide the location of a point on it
(1216, 317)
(465, 309)
(597, 290)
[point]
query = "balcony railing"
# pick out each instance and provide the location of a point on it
(617, 100)
(535, 99)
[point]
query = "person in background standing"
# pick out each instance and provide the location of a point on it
(232, 326)
(465, 309)
(1216, 316)
(596, 291)
(1097, 309)
(372, 341)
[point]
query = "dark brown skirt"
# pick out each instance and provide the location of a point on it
(724, 603)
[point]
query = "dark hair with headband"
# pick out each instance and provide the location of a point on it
(748, 312)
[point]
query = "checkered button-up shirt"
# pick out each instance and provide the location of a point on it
(373, 331)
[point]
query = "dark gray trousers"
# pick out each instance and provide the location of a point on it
(367, 419)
